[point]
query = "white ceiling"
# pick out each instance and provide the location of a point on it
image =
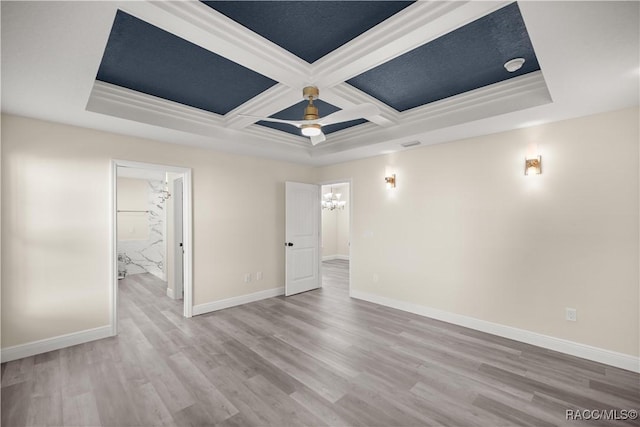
(51, 51)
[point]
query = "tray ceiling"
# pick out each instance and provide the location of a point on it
(203, 74)
(146, 59)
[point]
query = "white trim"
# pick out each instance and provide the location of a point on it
(608, 357)
(413, 26)
(170, 293)
(348, 181)
(517, 93)
(113, 248)
(239, 300)
(187, 220)
(213, 31)
(116, 101)
(187, 241)
(332, 257)
(55, 343)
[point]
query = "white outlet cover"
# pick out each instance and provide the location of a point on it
(571, 314)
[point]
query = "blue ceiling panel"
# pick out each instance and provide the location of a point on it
(144, 58)
(309, 29)
(468, 58)
(296, 111)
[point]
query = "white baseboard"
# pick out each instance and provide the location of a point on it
(157, 272)
(49, 344)
(170, 293)
(608, 357)
(332, 257)
(239, 300)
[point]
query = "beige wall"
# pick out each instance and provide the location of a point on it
(55, 222)
(466, 232)
(342, 225)
(133, 195)
(329, 233)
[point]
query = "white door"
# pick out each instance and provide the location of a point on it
(178, 239)
(302, 237)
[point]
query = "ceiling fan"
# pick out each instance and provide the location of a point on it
(311, 124)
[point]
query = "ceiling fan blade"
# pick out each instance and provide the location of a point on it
(357, 112)
(296, 123)
(317, 138)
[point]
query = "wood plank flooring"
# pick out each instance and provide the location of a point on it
(315, 359)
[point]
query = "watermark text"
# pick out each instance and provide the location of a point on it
(601, 414)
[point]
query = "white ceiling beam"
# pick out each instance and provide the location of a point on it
(345, 96)
(426, 21)
(211, 30)
(413, 26)
(128, 104)
(515, 94)
(272, 100)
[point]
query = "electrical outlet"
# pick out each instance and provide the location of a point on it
(259, 275)
(571, 314)
(247, 278)
(375, 277)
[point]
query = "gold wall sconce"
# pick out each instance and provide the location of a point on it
(391, 181)
(533, 166)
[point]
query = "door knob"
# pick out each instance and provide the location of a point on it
(288, 244)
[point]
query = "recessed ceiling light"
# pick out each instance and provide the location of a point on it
(514, 65)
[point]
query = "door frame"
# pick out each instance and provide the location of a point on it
(350, 201)
(178, 292)
(187, 233)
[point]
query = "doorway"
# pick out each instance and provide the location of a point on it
(151, 231)
(336, 236)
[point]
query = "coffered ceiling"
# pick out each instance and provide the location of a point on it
(198, 73)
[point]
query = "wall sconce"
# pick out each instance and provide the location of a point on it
(391, 181)
(533, 166)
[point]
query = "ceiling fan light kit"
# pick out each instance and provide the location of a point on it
(311, 123)
(311, 130)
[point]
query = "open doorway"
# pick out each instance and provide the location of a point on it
(336, 237)
(151, 243)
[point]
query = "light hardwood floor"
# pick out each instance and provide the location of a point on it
(313, 359)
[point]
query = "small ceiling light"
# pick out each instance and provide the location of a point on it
(391, 181)
(533, 166)
(311, 130)
(514, 65)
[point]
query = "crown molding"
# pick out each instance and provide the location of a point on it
(515, 94)
(413, 26)
(274, 135)
(128, 104)
(272, 100)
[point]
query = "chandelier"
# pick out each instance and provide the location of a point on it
(332, 201)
